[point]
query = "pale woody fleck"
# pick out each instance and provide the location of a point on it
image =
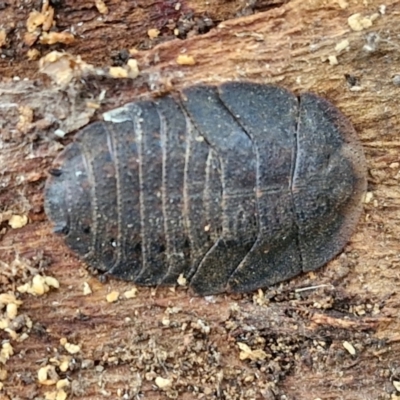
(11, 311)
(358, 23)
(368, 197)
(86, 289)
(62, 383)
(112, 296)
(396, 385)
(3, 37)
(153, 33)
(163, 383)
(72, 348)
(349, 347)
(101, 7)
(247, 353)
(184, 59)
(51, 282)
(8, 298)
(64, 364)
(130, 294)
(118, 72)
(3, 374)
(47, 375)
(182, 281)
(39, 286)
(18, 221)
(343, 4)
(6, 352)
(342, 45)
(333, 60)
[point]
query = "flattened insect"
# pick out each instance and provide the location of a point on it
(236, 187)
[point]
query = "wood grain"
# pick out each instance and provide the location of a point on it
(295, 338)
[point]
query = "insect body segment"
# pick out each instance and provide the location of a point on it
(237, 187)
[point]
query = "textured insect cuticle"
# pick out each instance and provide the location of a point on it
(235, 187)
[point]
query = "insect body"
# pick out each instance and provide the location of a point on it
(235, 187)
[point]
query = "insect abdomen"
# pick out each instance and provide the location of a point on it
(235, 187)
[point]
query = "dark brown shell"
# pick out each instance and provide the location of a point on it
(235, 187)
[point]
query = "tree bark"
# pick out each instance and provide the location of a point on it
(330, 334)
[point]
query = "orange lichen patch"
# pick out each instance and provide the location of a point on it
(57, 37)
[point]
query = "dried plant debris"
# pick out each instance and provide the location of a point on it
(18, 221)
(101, 6)
(41, 25)
(39, 285)
(35, 116)
(358, 22)
(3, 37)
(262, 352)
(17, 270)
(112, 296)
(18, 327)
(183, 351)
(185, 59)
(63, 68)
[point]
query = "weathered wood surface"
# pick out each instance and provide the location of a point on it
(297, 337)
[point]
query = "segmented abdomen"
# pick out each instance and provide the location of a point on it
(234, 187)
